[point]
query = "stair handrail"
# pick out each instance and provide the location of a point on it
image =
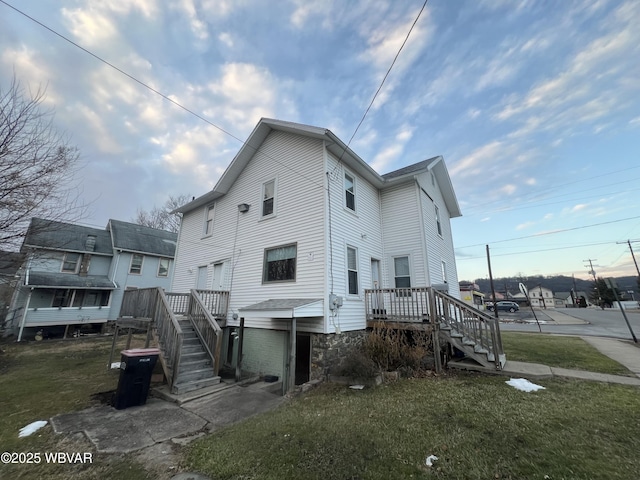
(152, 303)
(207, 328)
(170, 336)
(470, 322)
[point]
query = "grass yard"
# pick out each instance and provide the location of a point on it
(40, 380)
(479, 427)
(559, 351)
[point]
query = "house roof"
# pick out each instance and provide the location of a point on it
(10, 262)
(286, 308)
(339, 149)
(138, 238)
(64, 280)
(53, 235)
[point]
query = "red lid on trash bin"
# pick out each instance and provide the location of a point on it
(140, 352)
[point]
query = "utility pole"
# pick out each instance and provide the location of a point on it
(628, 242)
(591, 270)
(595, 280)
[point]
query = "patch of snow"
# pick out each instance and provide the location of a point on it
(430, 459)
(31, 428)
(115, 365)
(356, 387)
(524, 385)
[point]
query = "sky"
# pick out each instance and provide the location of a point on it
(534, 105)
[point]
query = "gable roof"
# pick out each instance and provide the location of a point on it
(335, 146)
(69, 237)
(140, 239)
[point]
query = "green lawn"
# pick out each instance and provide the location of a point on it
(559, 351)
(40, 380)
(479, 427)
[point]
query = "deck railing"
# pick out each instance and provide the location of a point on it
(428, 305)
(398, 304)
(153, 303)
(216, 302)
(179, 302)
(206, 327)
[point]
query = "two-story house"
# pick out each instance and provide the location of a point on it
(297, 230)
(74, 275)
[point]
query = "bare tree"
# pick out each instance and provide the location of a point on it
(161, 217)
(37, 166)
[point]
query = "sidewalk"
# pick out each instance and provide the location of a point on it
(562, 318)
(622, 351)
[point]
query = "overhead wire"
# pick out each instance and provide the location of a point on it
(157, 92)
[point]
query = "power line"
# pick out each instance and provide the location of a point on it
(537, 251)
(552, 232)
(157, 92)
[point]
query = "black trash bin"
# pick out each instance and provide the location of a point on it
(136, 367)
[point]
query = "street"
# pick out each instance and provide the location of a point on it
(602, 323)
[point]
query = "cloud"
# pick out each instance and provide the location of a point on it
(386, 157)
(90, 27)
(29, 64)
(198, 26)
(525, 225)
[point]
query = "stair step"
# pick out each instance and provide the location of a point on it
(195, 365)
(195, 348)
(190, 341)
(194, 356)
(190, 386)
(197, 374)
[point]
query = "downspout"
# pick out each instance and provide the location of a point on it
(24, 315)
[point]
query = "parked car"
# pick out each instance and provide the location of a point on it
(505, 306)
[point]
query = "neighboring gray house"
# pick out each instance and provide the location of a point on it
(298, 229)
(75, 275)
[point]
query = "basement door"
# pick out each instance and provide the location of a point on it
(303, 358)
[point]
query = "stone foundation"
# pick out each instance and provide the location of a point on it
(329, 350)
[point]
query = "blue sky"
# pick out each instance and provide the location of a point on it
(534, 105)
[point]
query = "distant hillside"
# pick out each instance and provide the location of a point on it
(559, 283)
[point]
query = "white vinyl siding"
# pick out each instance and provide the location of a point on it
(300, 219)
(362, 232)
(439, 245)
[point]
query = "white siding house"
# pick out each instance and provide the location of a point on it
(298, 227)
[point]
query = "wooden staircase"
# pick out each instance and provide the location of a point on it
(186, 329)
(196, 369)
(472, 335)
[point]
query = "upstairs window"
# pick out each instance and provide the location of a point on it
(71, 262)
(438, 225)
(350, 192)
(163, 267)
(352, 270)
(136, 264)
(208, 221)
(280, 264)
(268, 198)
(444, 271)
(61, 298)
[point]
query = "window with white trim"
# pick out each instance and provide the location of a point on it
(350, 192)
(70, 262)
(268, 198)
(163, 267)
(136, 264)
(352, 270)
(438, 225)
(208, 221)
(401, 272)
(444, 271)
(280, 264)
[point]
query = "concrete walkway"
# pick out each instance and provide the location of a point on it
(624, 352)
